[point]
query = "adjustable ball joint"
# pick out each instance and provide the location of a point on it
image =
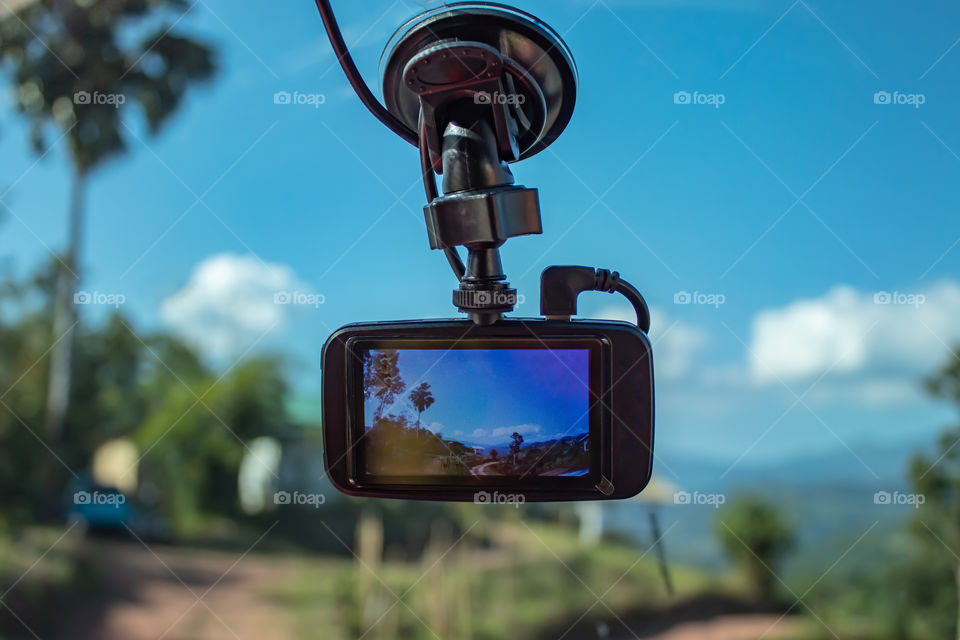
(484, 86)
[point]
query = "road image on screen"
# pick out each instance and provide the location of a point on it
(476, 412)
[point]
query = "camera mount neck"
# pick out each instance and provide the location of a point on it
(469, 133)
(475, 85)
(479, 210)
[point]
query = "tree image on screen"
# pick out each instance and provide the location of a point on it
(527, 415)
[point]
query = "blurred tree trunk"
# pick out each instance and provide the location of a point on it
(661, 554)
(590, 515)
(65, 315)
(372, 597)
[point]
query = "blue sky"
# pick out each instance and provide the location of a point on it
(786, 209)
(540, 394)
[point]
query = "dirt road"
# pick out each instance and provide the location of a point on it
(167, 593)
(482, 469)
(179, 594)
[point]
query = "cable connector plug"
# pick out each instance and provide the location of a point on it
(560, 286)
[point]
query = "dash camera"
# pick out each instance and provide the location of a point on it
(536, 409)
(443, 409)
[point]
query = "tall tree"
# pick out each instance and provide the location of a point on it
(381, 379)
(755, 535)
(516, 443)
(422, 399)
(76, 67)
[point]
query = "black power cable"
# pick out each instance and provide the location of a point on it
(380, 113)
(430, 188)
(356, 80)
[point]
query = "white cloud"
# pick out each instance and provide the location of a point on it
(886, 342)
(872, 350)
(499, 435)
(228, 303)
(808, 337)
(522, 429)
(676, 344)
(435, 427)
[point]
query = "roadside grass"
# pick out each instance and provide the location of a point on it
(38, 566)
(532, 576)
(507, 577)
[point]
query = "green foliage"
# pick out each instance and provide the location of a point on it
(911, 595)
(24, 338)
(937, 477)
(39, 566)
(69, 62)
(422, 399)
(514, 588)
(755, 536)
(191, 424)
(381, 378)
(196, 432)
(516, 443)
(557, 456)
(936, 527)
(395, 447)
(76, 67)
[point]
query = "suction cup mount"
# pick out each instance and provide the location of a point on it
(485, 85)
(489, 53)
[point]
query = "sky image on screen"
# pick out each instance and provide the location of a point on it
(477, 412)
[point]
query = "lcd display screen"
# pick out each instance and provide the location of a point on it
(484, 415)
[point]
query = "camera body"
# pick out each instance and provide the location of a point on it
(489, 408)
(527, 408)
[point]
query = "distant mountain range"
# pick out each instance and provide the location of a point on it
(503, 447)
(869, 464)
(829, 497)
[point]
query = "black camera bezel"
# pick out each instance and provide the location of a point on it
(625, 376)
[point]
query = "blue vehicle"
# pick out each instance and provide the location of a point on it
(107, 510)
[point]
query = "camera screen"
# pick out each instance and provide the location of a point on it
(482, 415)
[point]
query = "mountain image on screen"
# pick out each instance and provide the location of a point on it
(476, 412)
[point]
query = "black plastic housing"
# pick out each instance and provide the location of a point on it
(621, 416)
